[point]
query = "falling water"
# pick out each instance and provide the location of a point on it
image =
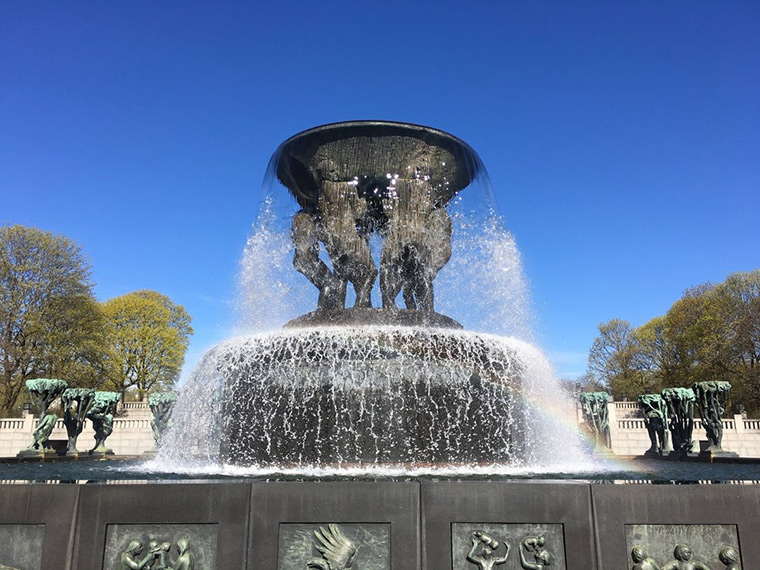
(378, 400)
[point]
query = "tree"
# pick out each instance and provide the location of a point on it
(148, 335)
(711, 333)
(50, 323)
(734, 347)
(674, 347)
(615, 360)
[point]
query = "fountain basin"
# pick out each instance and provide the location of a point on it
(370, 395)
(366, 151)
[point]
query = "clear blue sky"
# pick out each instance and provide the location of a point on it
(622, 138)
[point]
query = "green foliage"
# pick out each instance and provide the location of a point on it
(148, 335)
(50, 323)
(52, 326)
(712, 333)
(616, 361)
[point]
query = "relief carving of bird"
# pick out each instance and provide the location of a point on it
(337, 550)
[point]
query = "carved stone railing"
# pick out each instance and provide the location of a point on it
(128, 423)
(631, 424)
(12, 423)
(624, 410)
(133, 406)
(626, 405)
(729, 425)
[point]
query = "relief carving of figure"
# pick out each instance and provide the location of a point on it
(542, 558)
(161, 555)
(683, 561)
(730, 557)
(157, 557)
(641, 561)
(185, 560)
(130, 557)
(486, 558)
(338, 551)
(417, 244)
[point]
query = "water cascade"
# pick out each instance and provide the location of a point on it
(363, 217)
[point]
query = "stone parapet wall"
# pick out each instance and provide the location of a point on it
(134, 410)
(375, 525)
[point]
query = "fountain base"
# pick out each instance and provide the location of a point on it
(373, 317)
(370, 395)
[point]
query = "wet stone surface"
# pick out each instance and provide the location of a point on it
(21, 546)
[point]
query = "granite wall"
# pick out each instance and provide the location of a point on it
(402, 525)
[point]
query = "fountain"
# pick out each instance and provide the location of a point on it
(359, 435)
(374, 205)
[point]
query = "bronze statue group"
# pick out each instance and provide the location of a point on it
(407, 213)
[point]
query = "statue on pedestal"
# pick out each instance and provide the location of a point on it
(594, 407)
(44, 390)
(680, 403)
(161, 405)
(76, 403)
(711, 399)
(101, 414)
(655, 414)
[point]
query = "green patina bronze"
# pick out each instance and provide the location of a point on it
(655, 413)
(161, 405)
(683, 547)
(594, 407)
(44, 391)
(711, 399)
(76, 403)
(680, 403)
(101, 414)
(157, 556)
